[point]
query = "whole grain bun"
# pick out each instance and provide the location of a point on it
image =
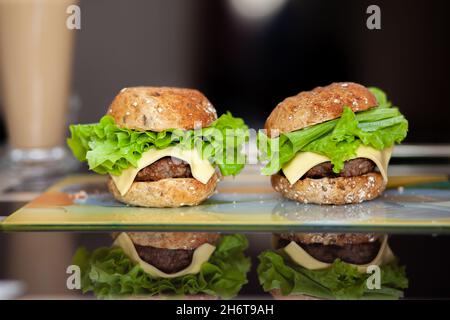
(160, 108)
(174, 240)
(318, 105)
(276, 294)
(336, 239)
(166, 193)
(340, 190)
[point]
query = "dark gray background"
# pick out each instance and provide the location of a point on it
(248, 67)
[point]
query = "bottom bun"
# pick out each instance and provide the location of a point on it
(166, 193)
(340, 190)
(276, 294)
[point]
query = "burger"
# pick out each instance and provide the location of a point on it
(331, 145)
(161, 146)
(169, 264)
(331, 266)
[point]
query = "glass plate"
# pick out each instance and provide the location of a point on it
(419, 204)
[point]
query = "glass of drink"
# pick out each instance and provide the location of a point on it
(36, 50)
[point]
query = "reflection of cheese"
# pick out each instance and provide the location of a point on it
(304, 259)
(201, 169)
(303, 161)
(201, 255)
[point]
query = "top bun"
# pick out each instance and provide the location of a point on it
(318, 105)
(161, 108)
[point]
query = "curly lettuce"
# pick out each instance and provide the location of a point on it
(380, 128)
(340, 281)
(109, 273)
(109, 149)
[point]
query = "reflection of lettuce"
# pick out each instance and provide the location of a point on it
(109, 273)
(110, 149)
(340, 281)
(338, 139)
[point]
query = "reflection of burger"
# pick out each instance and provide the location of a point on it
(154, 264)
(332, 145)
(159, 146)
(331, 266)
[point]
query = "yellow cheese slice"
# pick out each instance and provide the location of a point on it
(201, 255)
(201, 169)
(304, 259)
(303, 161)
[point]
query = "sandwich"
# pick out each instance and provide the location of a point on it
(165, 265)
(331, 145)
(331, 266)
(161, 146)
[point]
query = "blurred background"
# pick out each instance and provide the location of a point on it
(248, 55)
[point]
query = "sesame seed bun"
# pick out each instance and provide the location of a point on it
(339, 191)
(161, 108)
(174, 240)
(166, 193)
(318, 105)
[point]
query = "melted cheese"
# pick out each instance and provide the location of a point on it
(201, 255)
(201, 169)
(303, 161)
(304, 259)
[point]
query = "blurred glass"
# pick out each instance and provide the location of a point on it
(36, 50)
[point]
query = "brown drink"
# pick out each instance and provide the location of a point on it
(36, 51)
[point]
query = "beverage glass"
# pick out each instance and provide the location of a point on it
(36, 50)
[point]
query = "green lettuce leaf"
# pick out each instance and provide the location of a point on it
(340, 281)
(109, 273)
(110, 149)
(338, 139)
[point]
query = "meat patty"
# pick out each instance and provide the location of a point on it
(166, 260)
(164, 168)
(360, 253)
(354, 250)
(352, 168)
